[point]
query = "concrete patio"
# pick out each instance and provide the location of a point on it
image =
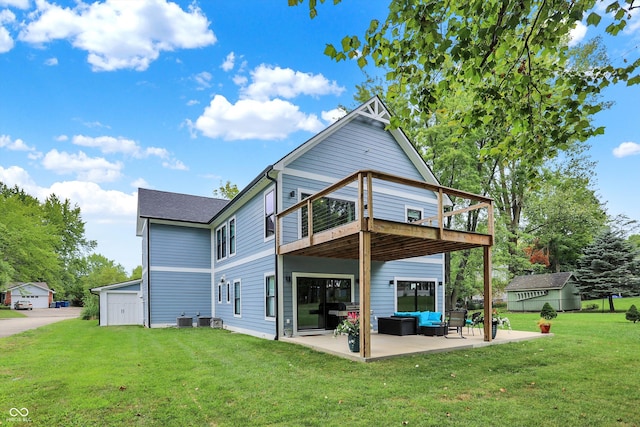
(386, 346)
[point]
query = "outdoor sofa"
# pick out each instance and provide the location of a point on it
(413, 322)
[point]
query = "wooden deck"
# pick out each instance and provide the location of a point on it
(370, 238)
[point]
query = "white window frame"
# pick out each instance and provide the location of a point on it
(407, 208)
(219, 293)
(235, 236)
(264, 214)
(275, 290)
(237, 297)
(228, 292)
(222, 231)
(416, 279)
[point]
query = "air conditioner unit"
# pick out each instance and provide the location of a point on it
(184, 322)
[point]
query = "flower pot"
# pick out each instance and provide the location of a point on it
(354, 342)
(545, 327)
(494, 330)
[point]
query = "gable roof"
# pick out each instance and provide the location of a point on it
(115, 286)
(41, 285)
(374, 109)
(164, 205)
(539, 281)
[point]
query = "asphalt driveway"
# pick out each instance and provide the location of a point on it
(36, 318)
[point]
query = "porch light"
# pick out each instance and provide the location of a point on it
(292, 194)
(391, 282)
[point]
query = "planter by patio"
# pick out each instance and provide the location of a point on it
(354, 343)
(545, 327)
(494, 330)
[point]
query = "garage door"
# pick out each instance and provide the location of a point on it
(123, 308)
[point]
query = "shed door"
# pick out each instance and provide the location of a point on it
(123, 308)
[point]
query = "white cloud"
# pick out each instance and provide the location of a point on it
(334, 115)
(627, 149)
(577, 34)
(203, 79)
(140, 183)
(240, 80)
(269, 82)
(14, 144)
(229, 62)
(94, 169)
(62, 138)
(120, 34)
(175, 165)
(51, 62)
(6, 41)
(192, 102)
(15, 175)
(254, 119)
(110, 145)
(20, 4)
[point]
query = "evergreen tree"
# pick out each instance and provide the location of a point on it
(632, 315)
(608, 267)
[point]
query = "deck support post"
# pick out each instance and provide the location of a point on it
(365, 294)
(488, 298)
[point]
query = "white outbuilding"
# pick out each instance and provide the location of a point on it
(120, 303)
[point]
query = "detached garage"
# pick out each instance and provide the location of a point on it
(37, 293)
(120, 303)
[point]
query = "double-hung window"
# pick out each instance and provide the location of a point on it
(221, 242)
(232, 236)
(270, 296)
(237, 298)
(269, 214)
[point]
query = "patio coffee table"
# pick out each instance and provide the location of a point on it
(435, 331)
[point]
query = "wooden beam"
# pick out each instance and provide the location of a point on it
(365, 294)
(488, 299)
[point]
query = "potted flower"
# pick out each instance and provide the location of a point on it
(546, 314)
(351, 328)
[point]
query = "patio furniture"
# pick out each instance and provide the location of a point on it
(428, 323)
(475, 321)
(457, 320)
(397, 325)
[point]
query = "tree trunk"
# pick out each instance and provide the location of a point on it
(611, 308)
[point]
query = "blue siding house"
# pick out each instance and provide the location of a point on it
(352, 219)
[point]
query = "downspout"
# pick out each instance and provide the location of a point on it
(275, 213)
(148, 272)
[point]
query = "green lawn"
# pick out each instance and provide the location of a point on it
(6, 313)
(76, 373)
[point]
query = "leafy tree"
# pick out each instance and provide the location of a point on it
(27, 243)
(634, 239)
(563, 215)
(136, 273)
(227, 190)
(632, 314)
(608, 267)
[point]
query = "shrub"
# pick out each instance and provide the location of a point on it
(91, 309)
(592, 306)
(548, 312)
(632, 315)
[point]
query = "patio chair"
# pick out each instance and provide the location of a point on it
(457, 320)
(475, 321)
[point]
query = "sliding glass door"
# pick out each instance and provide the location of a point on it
(318, 299)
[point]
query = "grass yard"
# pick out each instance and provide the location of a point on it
(7, 313)
(74, 373)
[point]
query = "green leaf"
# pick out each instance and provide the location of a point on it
(633, 80)
(593, 19)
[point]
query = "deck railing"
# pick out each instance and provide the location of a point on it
(376, 195)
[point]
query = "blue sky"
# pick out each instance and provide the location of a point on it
(100, 98)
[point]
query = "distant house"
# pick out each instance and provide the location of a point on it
(37, 293)
(530, 292)
(120, 303)
(351, 220)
